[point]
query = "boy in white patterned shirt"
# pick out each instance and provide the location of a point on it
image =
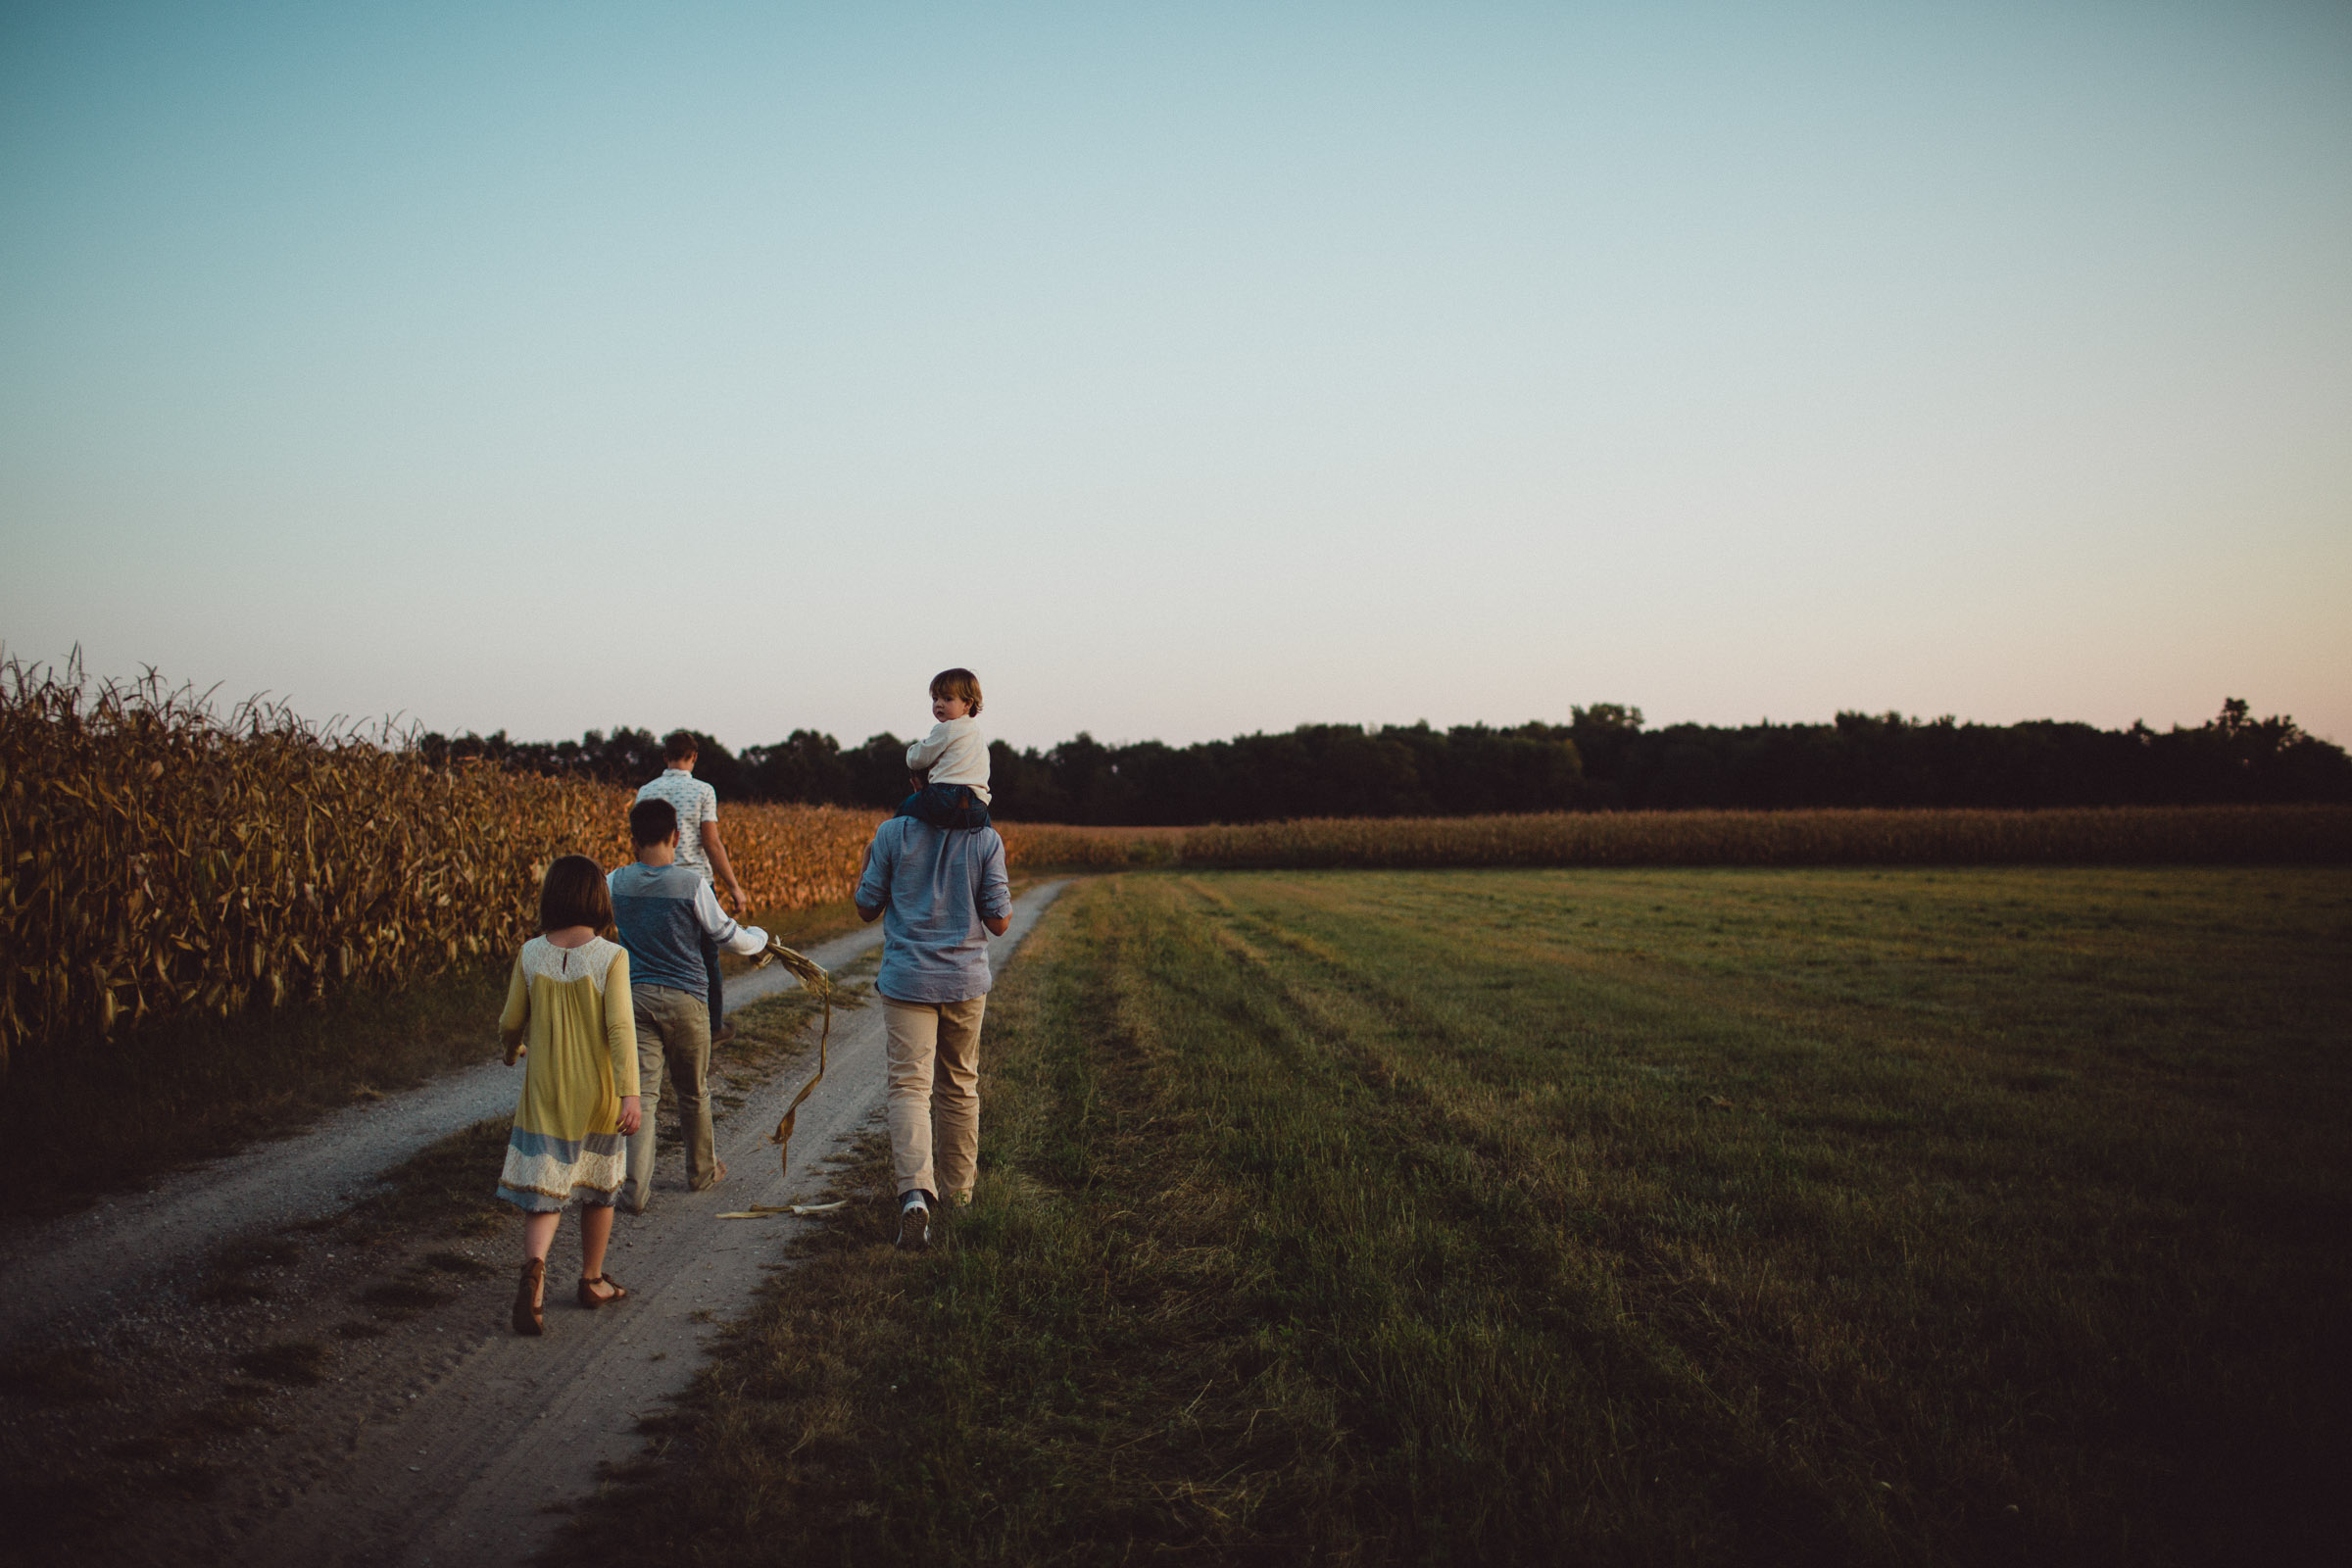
(700, 848)
(951, 764)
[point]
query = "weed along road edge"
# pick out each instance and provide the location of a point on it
(515, 1424)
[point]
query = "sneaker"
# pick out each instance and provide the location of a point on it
(914, 1219)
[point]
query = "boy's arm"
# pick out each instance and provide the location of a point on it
(718, 851)
(715, 847)
(611, 889)
(923, 753)
(740, 940)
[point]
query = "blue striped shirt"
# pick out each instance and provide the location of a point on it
(664, 912)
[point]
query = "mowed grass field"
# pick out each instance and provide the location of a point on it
(1902, 1216)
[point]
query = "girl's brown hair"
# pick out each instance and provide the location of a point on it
(958, 683)
(574, 894)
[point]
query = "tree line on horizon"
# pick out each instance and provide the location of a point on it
(1604, 759)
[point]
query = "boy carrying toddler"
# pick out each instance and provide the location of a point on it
(951, 764)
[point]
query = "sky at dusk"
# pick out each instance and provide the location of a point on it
(1185, 369)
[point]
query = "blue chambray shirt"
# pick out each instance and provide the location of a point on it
(935, 886)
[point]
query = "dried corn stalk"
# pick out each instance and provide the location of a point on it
(156, 859)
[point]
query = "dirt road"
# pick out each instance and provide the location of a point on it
(76, 1268)
(512, 1425)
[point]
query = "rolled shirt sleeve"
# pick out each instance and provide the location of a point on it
(873, 886)
(994, 897)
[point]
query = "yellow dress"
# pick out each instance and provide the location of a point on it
(571, 1006)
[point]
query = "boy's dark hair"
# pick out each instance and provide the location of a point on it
(652, 821)
(573, 892)
(678, 745)
(958, 683)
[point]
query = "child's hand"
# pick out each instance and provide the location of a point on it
(632, 1115)
(517, 1051)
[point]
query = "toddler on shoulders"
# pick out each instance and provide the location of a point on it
(951, 764)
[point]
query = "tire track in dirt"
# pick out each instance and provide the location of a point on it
(79, 1267)
(515, 1424)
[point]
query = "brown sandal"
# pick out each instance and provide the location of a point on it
(590, 1299)
(529, 1316)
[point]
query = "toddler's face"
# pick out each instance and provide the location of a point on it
(946, 708)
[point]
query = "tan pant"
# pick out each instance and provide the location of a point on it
(672, 1026)
(921, 1034)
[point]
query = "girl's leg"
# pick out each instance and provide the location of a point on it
(538, 1234)
(530, 1292)
(595, 1229)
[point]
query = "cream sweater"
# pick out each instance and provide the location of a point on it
(954, 753)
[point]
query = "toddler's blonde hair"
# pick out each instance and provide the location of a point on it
(958, 683)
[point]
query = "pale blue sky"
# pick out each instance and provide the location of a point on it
(1186, 370)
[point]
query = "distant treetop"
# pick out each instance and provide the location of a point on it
(1603, 759)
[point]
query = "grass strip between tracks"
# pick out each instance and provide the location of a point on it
(1872, 1216)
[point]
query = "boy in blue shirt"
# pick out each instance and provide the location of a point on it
(666, 914)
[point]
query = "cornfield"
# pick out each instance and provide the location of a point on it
(789, 857)
(1044, 847)
(2251, 835)
(156, 858)
(2107, 836)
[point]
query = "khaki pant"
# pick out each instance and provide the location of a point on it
(672, 1026)
(922, 1034)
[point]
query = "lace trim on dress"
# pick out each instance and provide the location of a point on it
(591, 960)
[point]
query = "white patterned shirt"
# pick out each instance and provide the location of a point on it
(696, 802)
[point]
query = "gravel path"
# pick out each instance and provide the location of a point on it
(78, 1267)
(515, 1424)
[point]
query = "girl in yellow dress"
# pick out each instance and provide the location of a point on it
(568, 1018)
